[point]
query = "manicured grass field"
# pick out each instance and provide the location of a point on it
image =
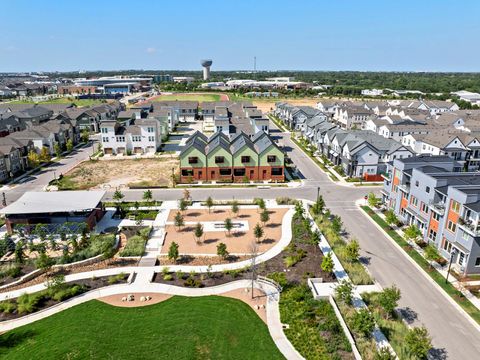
(193, 97)
(63, 100)
(179, 328)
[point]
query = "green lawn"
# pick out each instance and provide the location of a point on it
(63, 100)
(180, 328)
(193, 97)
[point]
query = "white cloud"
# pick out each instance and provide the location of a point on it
(151, 50)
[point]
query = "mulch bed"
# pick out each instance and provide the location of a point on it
(25, 269)
(90, 283)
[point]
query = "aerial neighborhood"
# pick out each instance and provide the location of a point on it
(304, 186)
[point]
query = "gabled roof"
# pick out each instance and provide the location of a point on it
(240, 142)
(217, 140)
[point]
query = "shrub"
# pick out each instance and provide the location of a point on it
(418, 342)
(28, 303)
(64, 293)
(116, 278)
(279, 277)
(344, 291)
(290, 261)
(388, 299)
(286, 201)
(192, 282)
(135, 246)
(7, 307)
(168, 277)
(363, 322)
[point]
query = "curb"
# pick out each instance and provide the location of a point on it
(438, 287)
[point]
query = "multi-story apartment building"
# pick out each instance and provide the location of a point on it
(432, 193)
(142, 137)
(242, 158)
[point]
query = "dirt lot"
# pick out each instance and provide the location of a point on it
(105, 174)
(266, 104)
(238, 242)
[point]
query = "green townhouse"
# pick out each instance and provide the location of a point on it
(239, 159)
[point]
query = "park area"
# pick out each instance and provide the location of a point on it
(208, 327)
(238, 241)
(105, 174)
(190, 97)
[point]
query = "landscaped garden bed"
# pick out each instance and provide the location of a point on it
(136, 240)
(56, 292)
(207, 327)
(313, 328)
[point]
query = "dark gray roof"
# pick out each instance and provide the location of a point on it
(241, 141)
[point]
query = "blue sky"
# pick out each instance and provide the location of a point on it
(421, 35)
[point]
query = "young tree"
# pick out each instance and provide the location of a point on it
(69, 145)
(118, 196)
(337, 224)
(412, 233)
(19, 255)
(261, 204)
(178, 220)
(388, 299)
(173, 251)
(319, 205)
(43, 261)
(299, 208)
(33, 159)
(45, 155)
(344, 291)
(235, 208)
(147, 196)
(418, 342)
(391, 218)
(85, 135)
(182, 205)
(363, 322)
(353, 250)
(431, 254)
(222, 250)
(228, 224)
(198, 232)
(58, 150)
(372, 200)
(258, 232)
(209, 203)
(327, 263)
(186, 195)
(264, 217)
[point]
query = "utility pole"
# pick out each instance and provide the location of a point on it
(4, 199)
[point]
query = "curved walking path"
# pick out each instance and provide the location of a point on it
(147, 273)
(273, 314)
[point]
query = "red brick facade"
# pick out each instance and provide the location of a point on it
(252, 173)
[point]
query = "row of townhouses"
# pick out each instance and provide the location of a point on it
(434, 193)
(226, 159)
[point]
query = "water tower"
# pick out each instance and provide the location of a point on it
(206, 68)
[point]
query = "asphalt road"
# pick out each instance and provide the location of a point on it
(453, 336)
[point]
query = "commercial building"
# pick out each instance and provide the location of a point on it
(432, 193)
(54, 209)
(222, 159)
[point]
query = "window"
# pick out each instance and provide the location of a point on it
(120, 138)
(455, 206)
(277, 171)
(416, 183)
(187, 172)
(104, 130)
(435, 216)
(239, 172)
(432, 234)
(461, 258)
(225, 172)
(465, 235)
(219, 159)
(136, 138)
(477, 261)
(451, 226)
(151, 138)
(271, 158)
(245, 159)
(105, 139)
(150, 129)
(423, 207)
(414, 201)
(427, 189)
(193, 160)
(447, 245)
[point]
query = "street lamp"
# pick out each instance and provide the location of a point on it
(452, 254)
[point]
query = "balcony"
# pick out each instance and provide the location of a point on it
(438, 207)
(470, 226)
(405, 187)
(386, 177)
